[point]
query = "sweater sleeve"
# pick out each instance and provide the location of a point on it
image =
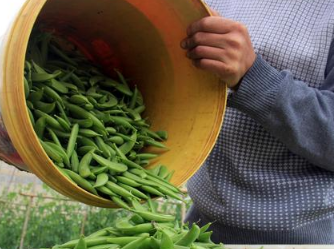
(301, 117)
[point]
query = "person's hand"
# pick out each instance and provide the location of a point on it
(221, 46)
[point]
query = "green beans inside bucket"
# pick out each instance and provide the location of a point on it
(75, 154)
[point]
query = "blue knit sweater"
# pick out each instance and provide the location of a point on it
(270, 177)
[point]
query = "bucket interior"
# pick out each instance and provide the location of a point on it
(142, 39)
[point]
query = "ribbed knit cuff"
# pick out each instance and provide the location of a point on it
(258, 90)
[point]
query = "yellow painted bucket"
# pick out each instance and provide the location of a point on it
(142, 38)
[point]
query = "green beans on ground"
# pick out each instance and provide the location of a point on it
(140, 231)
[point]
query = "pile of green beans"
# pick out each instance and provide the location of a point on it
(145, 228)
(91, 125)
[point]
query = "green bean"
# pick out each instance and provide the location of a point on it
(42, 77)
(54, 155)
(30, 105)
(89, 242)
(140, 180)
(111, 130)
(66, 77)
(133, 190)
(120, 202)
(143, 163)
(169, 193)
(60, 151)
(205, 237)
(99, 170)
(146, 156)
(135, 115)
(81, 181)
(118, 151)
(101, 180)
(84, 170)
(163, 171)
(62, 112)
(103, 147)
(60, 64)
(70, 86)
(106, 246)
(83, 123)
(137, 206)
(85, 141)
(126, 228)
(161, 182)
(92, 92)
(134, 98)
(54, 137)
(107, 105)
(49, 120)
(166, 241)
(57, 86)
(106, 191)
(65, 174)
(169, 176)
(152, 190)
(111, 150)
(115, 167)
(121, 121)
(31, 117)
(61, 134)
(53, 94)
(118, 190)
(137, 219)
(81, 244)
(128, 181)
(151, 205)
(66, 126)
(88, 133)
(36, 95)
(153, 143)
(96, 79)
(63, 56)
(37, 68)
(135, 244)
(73, 139)
(140, 109)
(138, 172)
(26, 87)
(84, 114)
(45, 107)
(132, 155)
(116, 139)
(75, 162)
(123, 88)
(122, 241)
(86, 149)
(189, 237)
(155, 170)
(130, 164)
(40, 127)
(79, 99)
(128, 146)
(76, 81)
(125, 137)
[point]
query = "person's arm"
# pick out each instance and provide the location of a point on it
(301, 117)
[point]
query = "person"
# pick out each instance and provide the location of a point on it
(270, 177)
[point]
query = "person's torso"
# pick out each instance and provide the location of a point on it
(250, 179)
